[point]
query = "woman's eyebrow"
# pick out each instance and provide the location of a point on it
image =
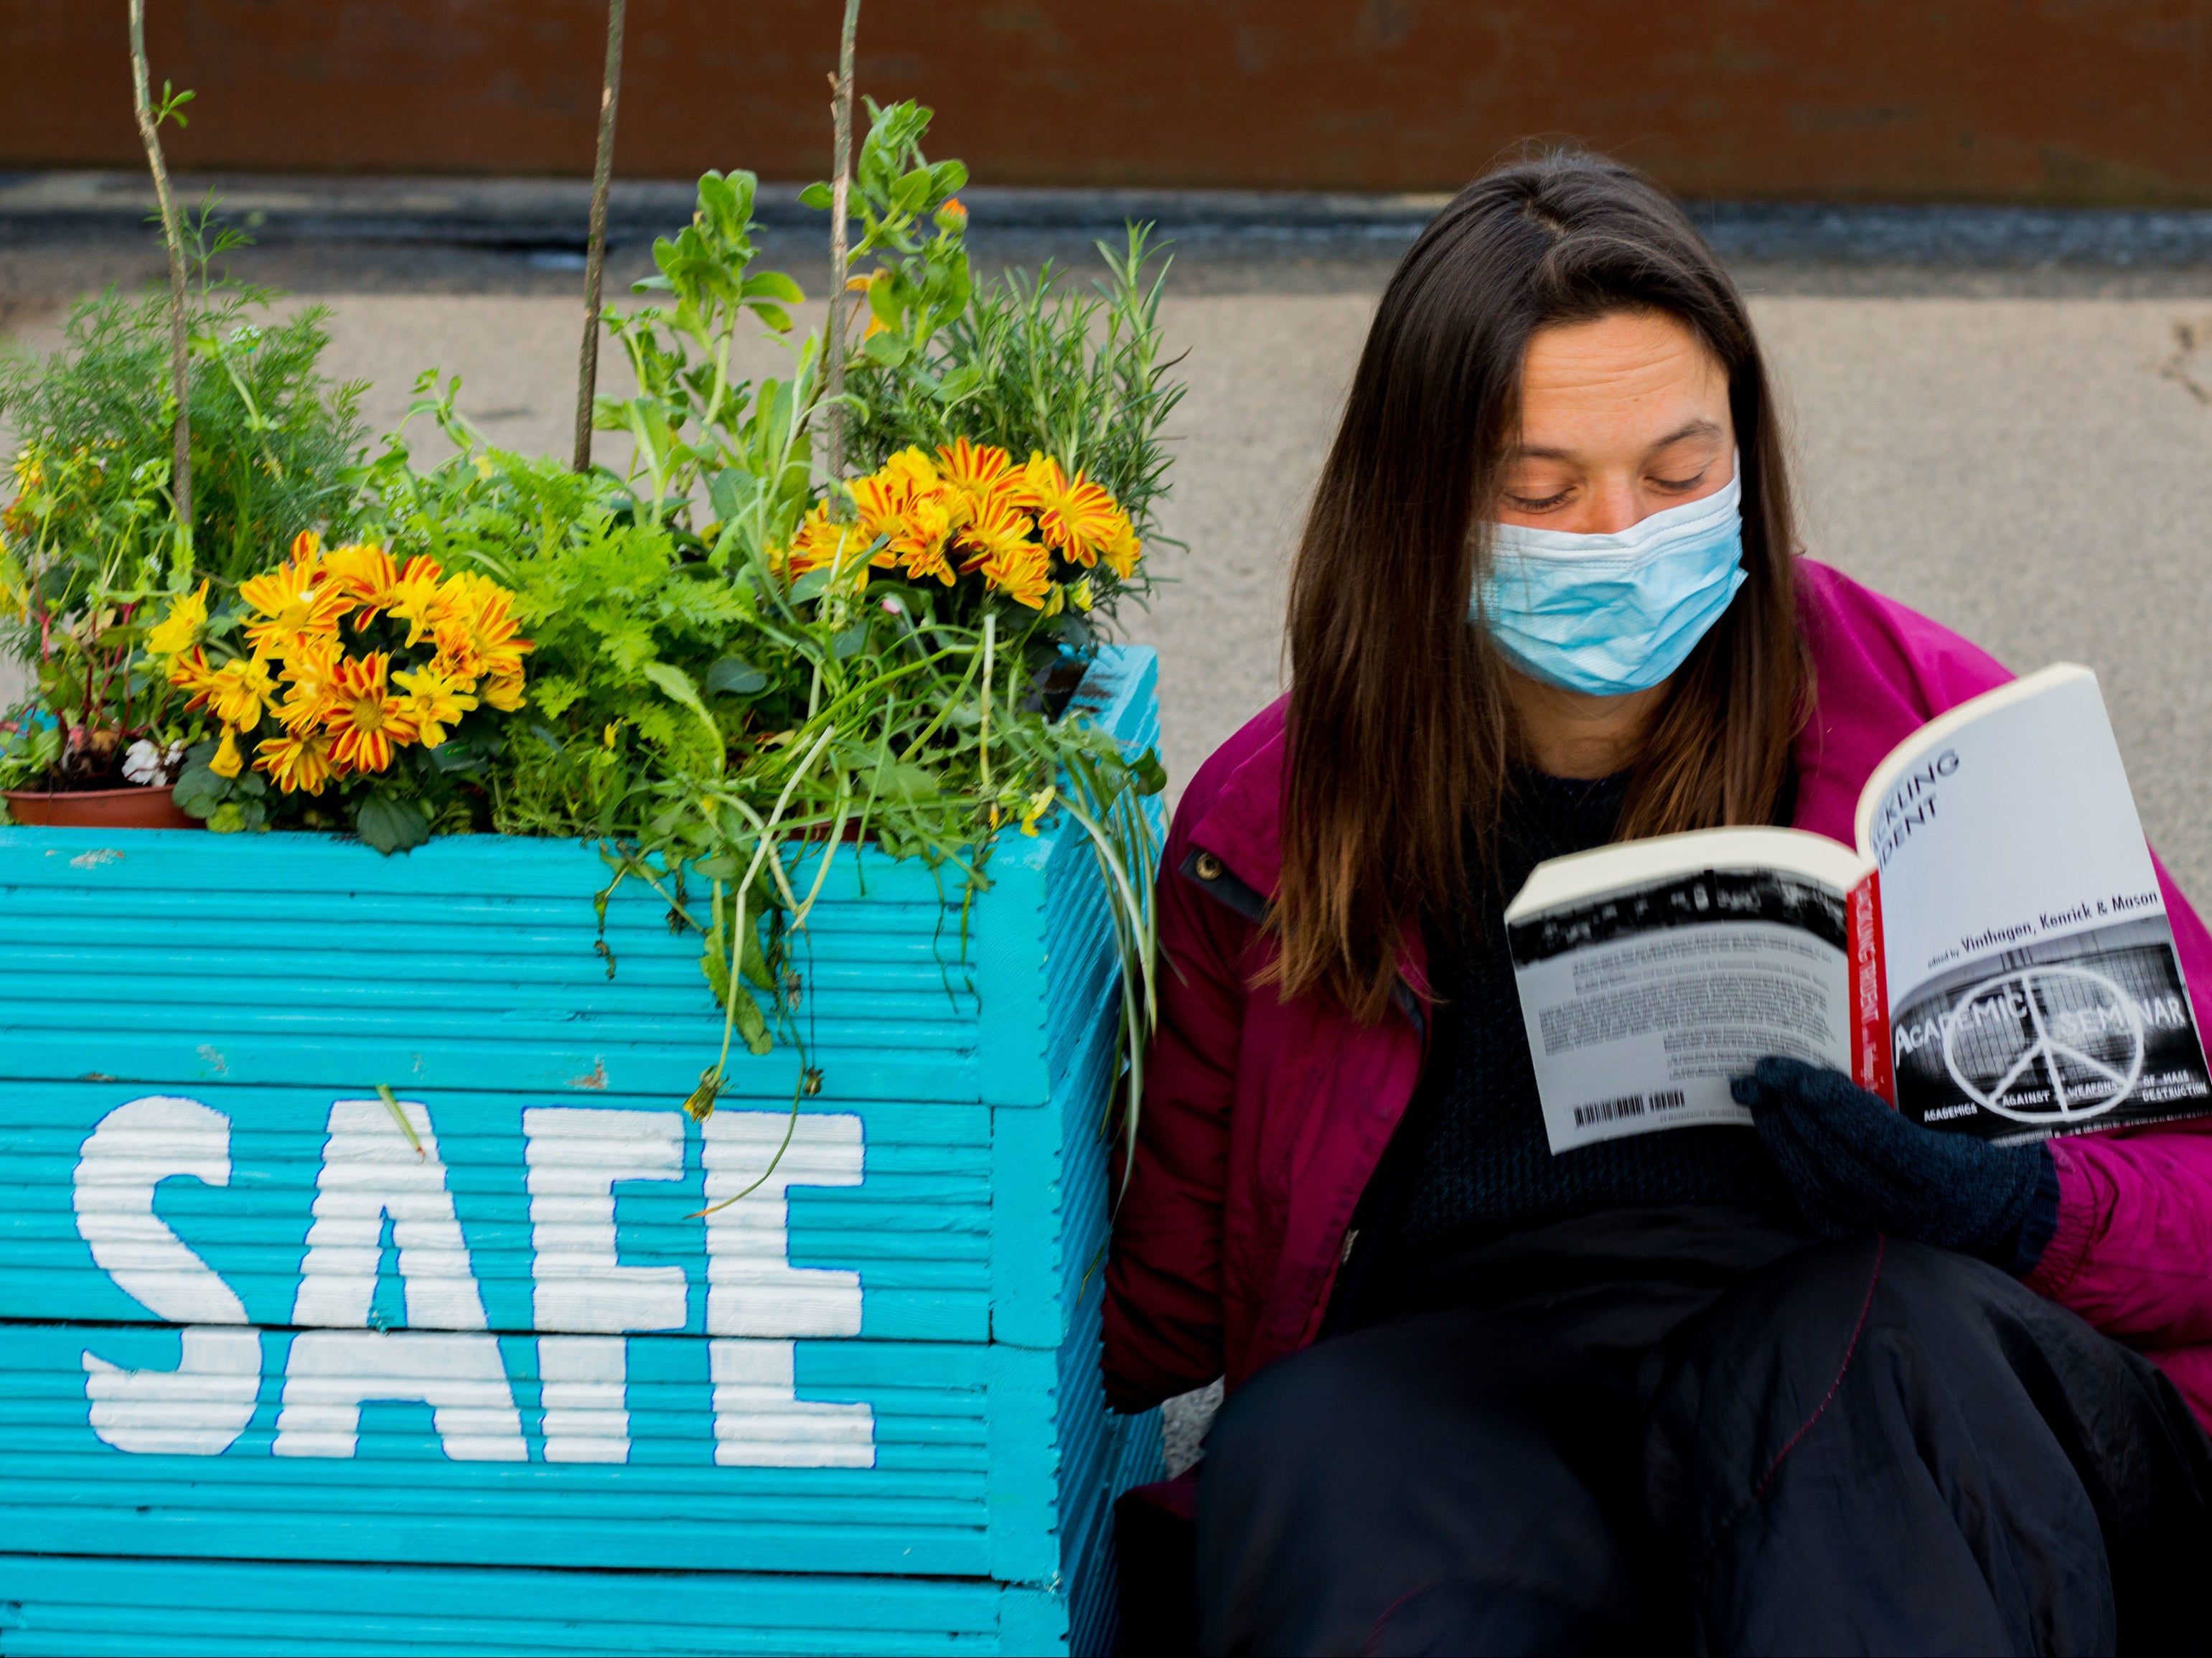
(1699, 428)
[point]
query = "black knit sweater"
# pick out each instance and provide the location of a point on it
(1470, 1162)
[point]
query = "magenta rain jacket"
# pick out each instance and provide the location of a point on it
(1263, 1120)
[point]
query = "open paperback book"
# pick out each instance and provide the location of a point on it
(1994, 957)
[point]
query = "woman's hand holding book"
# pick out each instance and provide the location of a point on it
(1853, 1165)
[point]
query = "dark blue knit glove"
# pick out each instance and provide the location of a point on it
(1853, 1165)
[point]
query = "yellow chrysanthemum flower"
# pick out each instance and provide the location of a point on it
(365, 574)
(914, 467)
(502, 691)
(298, 762)
(1123, 550)
(296, 603)
(1023, 572)
(432, 703)
(365, 721)
(478, 636)
(310, 679)
(917, 545)
(1075, 516)
(237, 691)
(227, 761)
(179, 629)
(418, 598)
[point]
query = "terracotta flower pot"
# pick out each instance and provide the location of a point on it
(131, 808)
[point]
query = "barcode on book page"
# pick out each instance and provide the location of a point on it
(1628, 1105)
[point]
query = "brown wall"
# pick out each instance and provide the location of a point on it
(2076, 101)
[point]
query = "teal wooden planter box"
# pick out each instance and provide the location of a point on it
(273, 1379)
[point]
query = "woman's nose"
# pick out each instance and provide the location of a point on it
(1610, 509)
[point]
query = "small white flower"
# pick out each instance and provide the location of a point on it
(149, 767)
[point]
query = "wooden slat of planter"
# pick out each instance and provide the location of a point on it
(967, 1481)
(220, 1606)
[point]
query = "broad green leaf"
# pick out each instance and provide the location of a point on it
(774, 285)
(732, 675)
(1151, 776)
(732, 490)
(199, 790)
(887, 350)
(389, 824)
(819, 196)
(898, 781)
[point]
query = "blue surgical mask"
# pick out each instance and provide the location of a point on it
(1608, 614)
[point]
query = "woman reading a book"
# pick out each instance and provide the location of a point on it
(1829, 1382)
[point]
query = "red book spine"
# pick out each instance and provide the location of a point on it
(1870, 1064)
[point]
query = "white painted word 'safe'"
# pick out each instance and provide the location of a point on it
(583, 1299)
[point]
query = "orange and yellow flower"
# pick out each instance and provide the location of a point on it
(970, 510)
(227, 761)
(818, 543)
(237, 691)
(917, 545)
(294, 603)
(478, 636)
(1022, 572)
(179, 629)
(365, 721)
(979, 477)
(366, 575)
(1076, 518)
(502, 691)
(310, 679)
(433, 703)
(298, 761)
(321, 713)
(418, 598)
(189, 672)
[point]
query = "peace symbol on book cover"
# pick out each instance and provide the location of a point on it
(2044, 1044)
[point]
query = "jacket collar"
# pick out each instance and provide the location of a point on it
(1244, 823)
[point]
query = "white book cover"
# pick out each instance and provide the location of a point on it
(1994, 955)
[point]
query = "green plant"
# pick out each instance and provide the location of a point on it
(89, 538)
(1024, 363)
(716, 687)
(79, 564)
(276, 444)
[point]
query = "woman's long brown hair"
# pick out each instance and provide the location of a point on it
(1402, 737)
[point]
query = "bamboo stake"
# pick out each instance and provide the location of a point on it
(588, 364)
(181, 477)
(840, 115)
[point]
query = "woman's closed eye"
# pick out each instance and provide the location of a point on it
(1538, 504)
